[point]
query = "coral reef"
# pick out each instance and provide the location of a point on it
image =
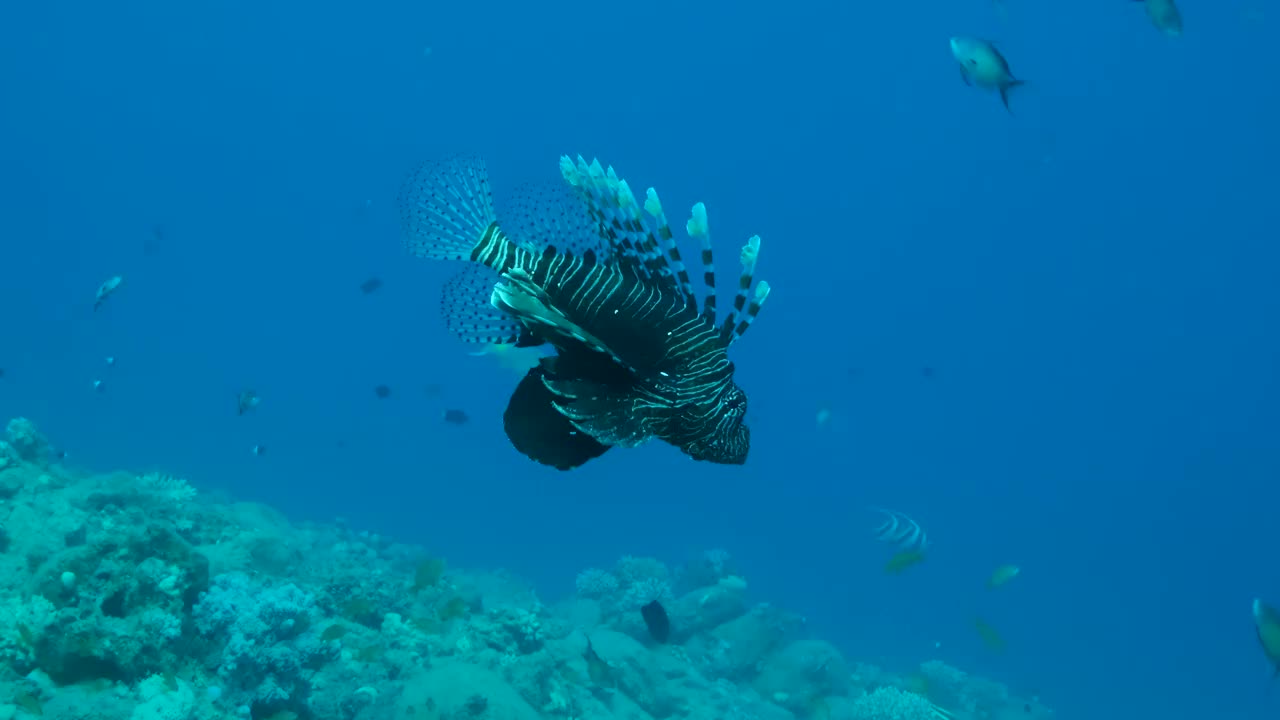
(133, 597)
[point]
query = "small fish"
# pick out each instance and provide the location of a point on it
(97, 386)
(1165, 16)
(456, 417)
(989, 636)
(982, 65)
(903, 560)
(382, 392)
(371, 285)
(1002, 575)
(433, 390)
(246, 401)
(655, 618)
(258, 450)
(517, 359)
(1267, 623)
(106, 289)
(110, 360)
(824, 416)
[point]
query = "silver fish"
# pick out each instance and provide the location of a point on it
(106, 289)
(982, 65)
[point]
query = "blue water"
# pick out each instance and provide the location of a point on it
(1091, 281)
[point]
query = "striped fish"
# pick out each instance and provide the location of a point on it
(594, 272)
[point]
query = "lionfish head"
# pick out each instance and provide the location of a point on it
(729, 440)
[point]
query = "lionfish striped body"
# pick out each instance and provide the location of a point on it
(582, 268)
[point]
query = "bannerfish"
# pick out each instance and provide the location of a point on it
(982, 65)
(593, 271)
(1165, 16)
(106, 289)
(1267, 623)
(901, 531)
(246, 401)
(656, 619)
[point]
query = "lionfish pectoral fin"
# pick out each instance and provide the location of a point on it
(468, 314)
(607, 414)
(519, 297)
(540, 432)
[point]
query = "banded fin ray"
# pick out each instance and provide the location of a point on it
(635, 235)
(737, 322)
(901, 531)
(699, 230)
(445, 207)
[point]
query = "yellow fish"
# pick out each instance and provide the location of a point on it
(1267, 622)
(989, 635)
(519, 360)
(903, 560)
(1002, 575)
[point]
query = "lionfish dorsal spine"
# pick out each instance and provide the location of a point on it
(602, 194)
(653, 206)
(743, 313)
(639, 237)
(699, 230)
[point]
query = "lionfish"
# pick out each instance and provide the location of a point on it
(587, 268)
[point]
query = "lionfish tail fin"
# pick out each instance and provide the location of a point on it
(607, 415)
(746, 304)
(445, 208)
(699, 230)
(471, 317)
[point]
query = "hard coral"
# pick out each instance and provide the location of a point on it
(263, 631)
(27, 442)
(890, 703)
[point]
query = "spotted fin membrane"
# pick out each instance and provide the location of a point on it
(900, 531)
(537, 216)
